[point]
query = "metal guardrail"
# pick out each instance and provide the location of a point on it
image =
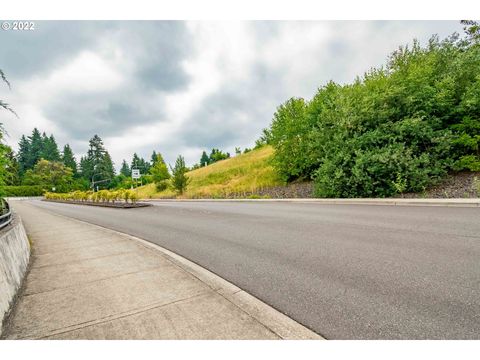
(6, 214)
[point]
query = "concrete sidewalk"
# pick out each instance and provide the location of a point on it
(88, 282)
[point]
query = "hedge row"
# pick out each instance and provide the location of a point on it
(24, 190)
(102, 196)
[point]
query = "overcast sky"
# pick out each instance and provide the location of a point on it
(181, 87)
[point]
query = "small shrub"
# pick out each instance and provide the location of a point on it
(133, 197)
(161, 185)
(256, 196)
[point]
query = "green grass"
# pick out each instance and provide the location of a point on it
(242, 174)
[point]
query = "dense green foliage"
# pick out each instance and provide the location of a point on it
(398, 128)
(215, 155)
(40, 146)
(125, 169)
(159, 172)
(50, 174)
(140, 163)
(179, 177)
(6, 163)
(68, 159)
(23, 190)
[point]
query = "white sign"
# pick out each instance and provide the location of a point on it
(135, 173)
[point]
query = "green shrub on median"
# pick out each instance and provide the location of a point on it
(102, 196)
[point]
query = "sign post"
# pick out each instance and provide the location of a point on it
(136, 175)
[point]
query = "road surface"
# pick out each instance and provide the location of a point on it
(345, 271)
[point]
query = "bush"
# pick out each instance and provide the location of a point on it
(161, 185)
(24, 190)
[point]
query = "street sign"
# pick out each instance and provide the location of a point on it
(135, 173)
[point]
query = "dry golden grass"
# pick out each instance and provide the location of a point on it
(242, 174)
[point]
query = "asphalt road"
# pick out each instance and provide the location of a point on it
(345, 271)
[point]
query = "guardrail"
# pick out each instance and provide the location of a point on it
(6, 214)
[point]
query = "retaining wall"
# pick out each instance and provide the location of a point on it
(14, 258)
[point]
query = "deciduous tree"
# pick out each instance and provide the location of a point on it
(179, 177)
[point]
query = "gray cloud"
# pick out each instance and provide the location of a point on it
(82, 116)
(51, 44)
(236, 114)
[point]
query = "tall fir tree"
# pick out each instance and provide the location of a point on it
(50, 150)
(107, 166)
(36, 147)
(97, 165)
(205, 159)
(135, 163)
(23, 155)
(153, 158)
(85, 168)
(125, 169)
(68, 159)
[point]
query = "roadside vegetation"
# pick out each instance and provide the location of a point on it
(399, 128)
(235, 176)
(102, 196)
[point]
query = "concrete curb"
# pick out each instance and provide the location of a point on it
(473, 202)
(277, 322)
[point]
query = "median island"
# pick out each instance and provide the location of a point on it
(124, 199)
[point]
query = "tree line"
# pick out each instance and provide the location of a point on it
(41, 165)
(399, 128)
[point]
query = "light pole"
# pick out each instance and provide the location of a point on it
(99, 181)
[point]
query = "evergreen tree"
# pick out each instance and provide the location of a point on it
(23, 155)
(97, 165)
(146, 165)
(107, 166)
(140, 163)
(217, 155)
(204, 160)
(153, 158)
(36, 148)
(85, 168)
(180, 179)
(49, 149)
(125, 170)
(135, 164)
(68, 159)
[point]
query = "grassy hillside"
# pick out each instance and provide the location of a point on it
(242, 174)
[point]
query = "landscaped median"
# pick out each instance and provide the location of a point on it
(119, 199)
